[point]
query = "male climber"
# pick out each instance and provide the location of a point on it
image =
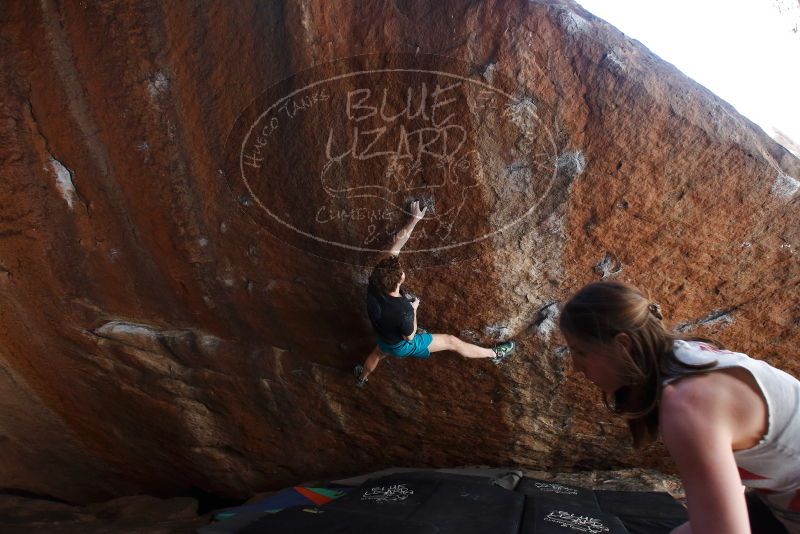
(393, 314)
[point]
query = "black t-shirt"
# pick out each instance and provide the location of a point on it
(391, 317)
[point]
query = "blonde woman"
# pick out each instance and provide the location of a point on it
(727, 420)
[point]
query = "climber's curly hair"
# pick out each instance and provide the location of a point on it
(387, 274)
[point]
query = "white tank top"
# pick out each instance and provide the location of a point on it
(772, 465)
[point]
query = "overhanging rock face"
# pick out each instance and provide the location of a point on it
(192, 198)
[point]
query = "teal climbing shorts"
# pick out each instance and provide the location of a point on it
(416, 348)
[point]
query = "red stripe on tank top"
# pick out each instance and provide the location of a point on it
(794, 505)
(708, 348)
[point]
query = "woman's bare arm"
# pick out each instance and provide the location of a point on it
(696, 425)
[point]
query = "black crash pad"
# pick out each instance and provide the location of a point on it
(643, 512)
(316, 520)
(545, 515)
(446, 503)
(569, 495)
(454, 506)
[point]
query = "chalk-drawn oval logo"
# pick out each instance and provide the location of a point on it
(330, 159)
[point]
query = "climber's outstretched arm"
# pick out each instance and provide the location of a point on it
(402, 236)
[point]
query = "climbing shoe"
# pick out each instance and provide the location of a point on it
(360, 382)
(502, 351)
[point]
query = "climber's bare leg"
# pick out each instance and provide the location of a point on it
(450, 342)
(372, 362)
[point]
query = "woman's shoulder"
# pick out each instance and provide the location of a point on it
(705, 398)
(690, 408)
(688, 392)
(705, 393)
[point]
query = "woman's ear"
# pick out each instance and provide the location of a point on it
(624, 340)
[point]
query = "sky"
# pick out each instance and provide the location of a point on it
(745, 51)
